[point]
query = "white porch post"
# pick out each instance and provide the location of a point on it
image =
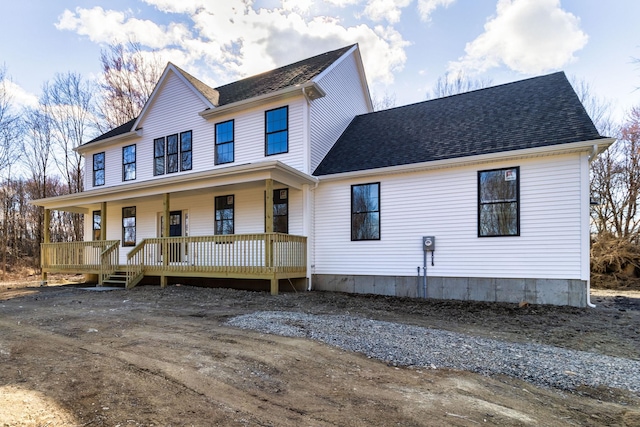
(46, 239)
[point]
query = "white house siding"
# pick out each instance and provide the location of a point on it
(331, 114)
(175, 109)
(443, 203)
(249, 137)
(248, 204)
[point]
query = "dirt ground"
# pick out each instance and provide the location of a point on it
(163, 357)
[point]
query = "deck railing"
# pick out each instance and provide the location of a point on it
(97, 257)
(230, 255)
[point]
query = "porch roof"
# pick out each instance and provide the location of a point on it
(236, 174)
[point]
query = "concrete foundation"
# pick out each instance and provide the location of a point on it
(570, 292)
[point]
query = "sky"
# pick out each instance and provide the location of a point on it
(406, 45)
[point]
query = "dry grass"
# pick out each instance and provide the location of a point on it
(615, 264)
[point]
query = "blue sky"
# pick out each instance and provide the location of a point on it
(406, 44)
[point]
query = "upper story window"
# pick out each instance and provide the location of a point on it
(158, 156)
(185, 151)
(129, 226)
(365, 211)
(224, 214)
(224, 142)
(277, 131)
(97, 225)
(172, 153)
(98, 169)
(129, 163)
(499, 202)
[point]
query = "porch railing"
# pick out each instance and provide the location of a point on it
(98, 257)
(230, 255)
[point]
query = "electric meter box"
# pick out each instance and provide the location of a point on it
(429, 243)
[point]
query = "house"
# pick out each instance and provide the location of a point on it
(289, 176)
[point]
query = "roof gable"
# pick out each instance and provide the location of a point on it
(294, 74)
(536, 112)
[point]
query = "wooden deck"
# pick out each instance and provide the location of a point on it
(269, 256)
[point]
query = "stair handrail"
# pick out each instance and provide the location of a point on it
(135, 264)
(109, 260)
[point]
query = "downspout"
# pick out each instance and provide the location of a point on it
(592, 156)
(313, 231)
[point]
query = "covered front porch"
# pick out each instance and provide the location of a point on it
(235, 237)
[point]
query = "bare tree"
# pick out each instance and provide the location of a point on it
(385, 102)
(129, 77)
(599, 109)
(452, 84)
(9, 125)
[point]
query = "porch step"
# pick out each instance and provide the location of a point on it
(119, 278)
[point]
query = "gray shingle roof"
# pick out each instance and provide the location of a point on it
(271, 81)
(536, 112)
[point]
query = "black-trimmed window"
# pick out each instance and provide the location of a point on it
(499, 202)
(186, 151)
(98, 169)
(224, 214)
(365, 211)
(129, 163)
(172, 153)
(277, 131)
(129, 226)
(158, 156)
(97, 225)
(281, 211)
(224, 142)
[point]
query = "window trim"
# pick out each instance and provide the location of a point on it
(102, 169)
(232, 142)
(275, 191)
(267, 134)
(176, 154)
(353, 237)
(183, 151)
(156, 157)
(124, 165)
(517, 202)
(124, 241)
(97, 213)
(233, 213)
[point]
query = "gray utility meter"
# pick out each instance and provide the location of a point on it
(429, 243)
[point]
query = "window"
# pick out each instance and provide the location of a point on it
(281, 211)
(224, 142)
(129, 163)
(185, 151)
(365, 212)
(97, 225)
(498, 202)
(276, 131)
(172, 153)
(129, 226)
(224, 215)
(98, 169)
(158, 156)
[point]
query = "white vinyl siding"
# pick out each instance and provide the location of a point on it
(330, 115)
(249, 213)
(443, 203)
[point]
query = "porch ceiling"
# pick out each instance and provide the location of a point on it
(232, 175)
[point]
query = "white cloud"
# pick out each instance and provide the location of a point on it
(17, 96)
(389, 10)
(232, 39)
(342, 3)
(302, 6)
(426, 7)
(528, 36)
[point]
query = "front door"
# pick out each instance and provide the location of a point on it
(175, 230)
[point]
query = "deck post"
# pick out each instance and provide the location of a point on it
(46, 239)
(166, 206)
(268, 228)
(103, 221)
